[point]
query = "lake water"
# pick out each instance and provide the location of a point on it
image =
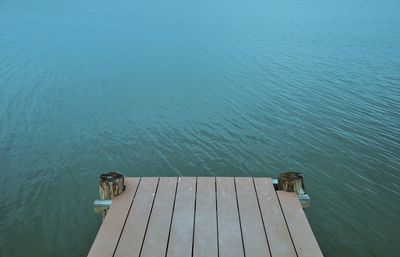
(212, 87)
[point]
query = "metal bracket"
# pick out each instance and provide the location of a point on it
(101, 206)
(305, 200)
(275, 182)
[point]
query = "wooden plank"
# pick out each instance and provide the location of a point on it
(278, 235)
(229, 231)
(107, 238)
(136, 223)
(181, 236)
(156, 239)
(205, 236)
(303, 238)
(254, 237)
(215, 217)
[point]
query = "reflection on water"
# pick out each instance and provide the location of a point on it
(178, 87)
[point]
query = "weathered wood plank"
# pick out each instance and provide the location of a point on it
(156, 238)
(135, 227)
(303, 238)
(229, 231)
(181, 237)
(107, 238)
(275, 226)
(254, 237)
(205, 237)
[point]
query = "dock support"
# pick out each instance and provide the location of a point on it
(111, 184)
(294, 182)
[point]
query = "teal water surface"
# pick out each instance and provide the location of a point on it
(212, 87)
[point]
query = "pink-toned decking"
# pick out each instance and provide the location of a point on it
(204, 217)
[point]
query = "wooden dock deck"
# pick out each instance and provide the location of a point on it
(204, 217)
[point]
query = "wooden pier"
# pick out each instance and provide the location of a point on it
(204, 217)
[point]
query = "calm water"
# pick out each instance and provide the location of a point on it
(212, 87)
